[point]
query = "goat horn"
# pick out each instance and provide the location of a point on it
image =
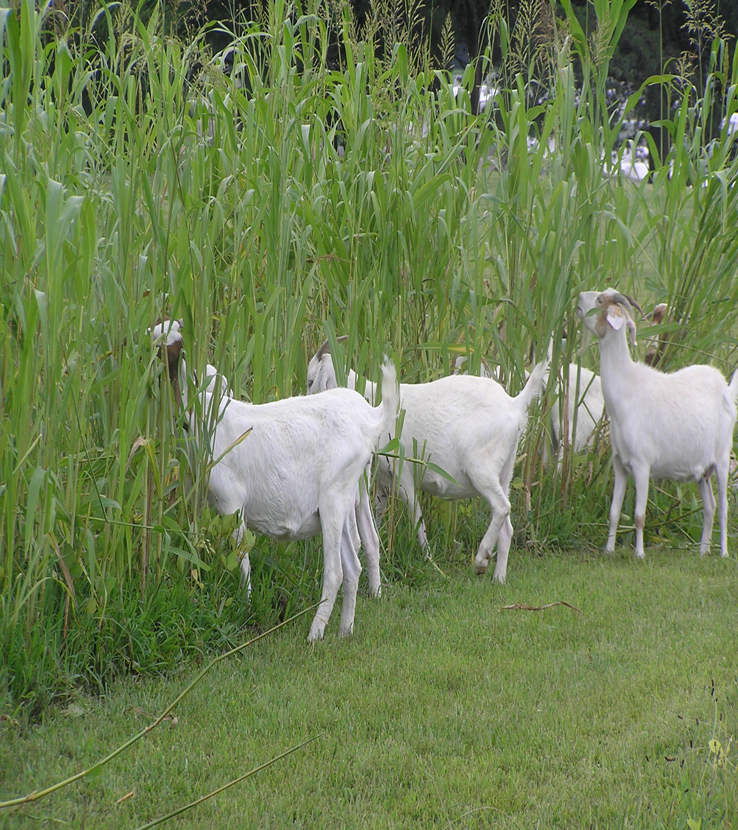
(628, 302)
(619, 298)
(325, 347)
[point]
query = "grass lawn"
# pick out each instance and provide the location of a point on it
(441, 711)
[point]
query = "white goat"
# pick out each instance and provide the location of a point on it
(587, 389)
(469, 427)
(297, 474)
(585, 402)
(677, 426)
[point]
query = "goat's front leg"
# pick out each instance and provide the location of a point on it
(618, 493)
(380, 505)
(405, 489)
(409, 495)
(708, 505)
(420, 527)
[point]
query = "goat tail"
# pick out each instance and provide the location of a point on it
(390, 398)
(534, 386)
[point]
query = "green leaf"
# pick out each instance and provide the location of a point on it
(440, 471)
(390, 448)
(95, 772)
(580, 39)
(34, 488)
(185, 555)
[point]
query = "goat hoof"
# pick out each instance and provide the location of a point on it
(480, 568)
(316, 633)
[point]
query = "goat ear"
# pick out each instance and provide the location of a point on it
(632, 331)
(615, 317)
(327, 378)
(658, 314)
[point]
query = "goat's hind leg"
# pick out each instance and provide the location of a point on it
(351, 571)
(722, 474)
(369, 538)
(500, 507)
(334, 510)
(500, 531)
(238, 535)
(504, 540)
(708, 503)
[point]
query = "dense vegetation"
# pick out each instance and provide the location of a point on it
(269, 208)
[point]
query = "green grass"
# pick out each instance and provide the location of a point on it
(442, 710)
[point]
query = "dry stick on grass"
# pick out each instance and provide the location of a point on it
(518, 607)
(189, 806)
(125, 797)
(95, 769)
